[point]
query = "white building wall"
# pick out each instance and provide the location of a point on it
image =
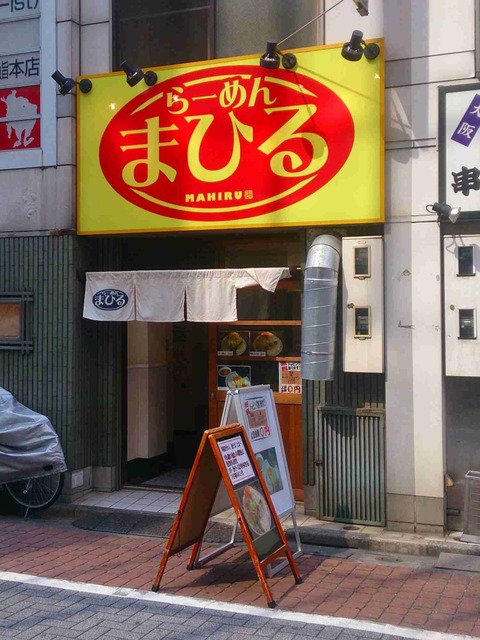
(428, 43)
(39, 200)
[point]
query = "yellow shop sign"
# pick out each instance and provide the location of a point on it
(228, 144)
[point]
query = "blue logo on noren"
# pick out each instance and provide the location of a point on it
(110, 299)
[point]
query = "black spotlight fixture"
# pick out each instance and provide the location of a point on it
(271, 57)
(65, 85)
(356, 48)
(362, 7)
(150, 78)
(444, 212)
(135, 75)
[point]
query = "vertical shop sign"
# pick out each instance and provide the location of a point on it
(459, 146)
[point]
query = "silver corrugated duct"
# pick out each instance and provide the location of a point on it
(320, 307)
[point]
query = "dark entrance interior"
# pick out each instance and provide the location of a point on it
(177, 371)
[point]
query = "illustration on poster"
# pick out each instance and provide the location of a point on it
(18, 107)
(268, 463)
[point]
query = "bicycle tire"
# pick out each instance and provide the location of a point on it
(36, 494)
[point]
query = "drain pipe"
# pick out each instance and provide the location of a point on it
(320, 308)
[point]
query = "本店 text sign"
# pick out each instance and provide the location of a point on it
(228, 144)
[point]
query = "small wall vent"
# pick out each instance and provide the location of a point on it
(471, 524)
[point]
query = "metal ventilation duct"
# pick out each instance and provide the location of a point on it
(320, 308)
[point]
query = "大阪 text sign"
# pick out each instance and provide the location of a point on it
(227, 144)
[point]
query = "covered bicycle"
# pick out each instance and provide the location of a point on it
(32, 464)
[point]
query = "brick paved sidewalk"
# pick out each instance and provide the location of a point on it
(427, 599)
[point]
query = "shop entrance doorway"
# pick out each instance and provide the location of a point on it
(173, 392)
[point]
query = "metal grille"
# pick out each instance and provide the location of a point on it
(351, 465)
(471, 525)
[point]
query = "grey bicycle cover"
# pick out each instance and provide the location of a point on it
(29, 446)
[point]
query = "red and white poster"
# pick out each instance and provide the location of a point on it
(20, 118)
(290, 377)
(257, 418)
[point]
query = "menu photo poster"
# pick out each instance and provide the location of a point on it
(233, 376)
(250, 496)
(261, 423)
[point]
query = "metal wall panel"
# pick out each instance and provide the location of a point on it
(351, 466)
(73, 373)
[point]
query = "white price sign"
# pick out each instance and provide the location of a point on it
(236, 460)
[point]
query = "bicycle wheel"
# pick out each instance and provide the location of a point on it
(36, 494)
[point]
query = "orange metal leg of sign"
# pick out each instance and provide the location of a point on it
(161, 569)
(167, 552)
(196, 546)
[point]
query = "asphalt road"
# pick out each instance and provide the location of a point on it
(31, 611)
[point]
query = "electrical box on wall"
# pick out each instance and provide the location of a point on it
(362, 264)
(462, 299)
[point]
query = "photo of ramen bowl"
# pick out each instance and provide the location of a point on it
(234, 381)
(268, 342)
(234, 342)
(224, 371)
(256, 511)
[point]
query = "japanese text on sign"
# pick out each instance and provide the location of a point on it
(161, 163)
(466, 180)
(257, 419)
(236, 460)
(18, 8)
(19, 68)
(469, 124)
(290, 377)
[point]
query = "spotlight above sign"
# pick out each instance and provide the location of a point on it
(271, 58)
(136, 75)
(65, 85)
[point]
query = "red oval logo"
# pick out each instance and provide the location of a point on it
(226, 143)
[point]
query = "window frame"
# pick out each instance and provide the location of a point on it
(22, 343)
(207, 4)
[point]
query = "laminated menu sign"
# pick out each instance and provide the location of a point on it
(290, 377)
(254, 407)
(257, 418)
(237, 462)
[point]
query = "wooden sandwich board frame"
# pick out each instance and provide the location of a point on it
(225, 453)
(236, 409)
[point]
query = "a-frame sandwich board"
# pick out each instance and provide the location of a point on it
(254, 408)
(225, 454)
